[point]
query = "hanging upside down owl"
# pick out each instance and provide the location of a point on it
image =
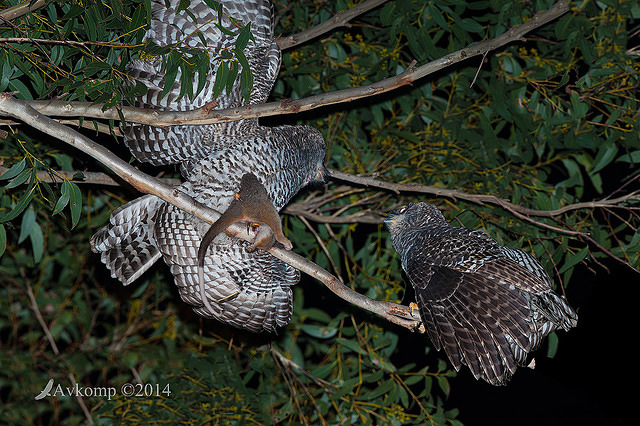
(246, 288)
(488, 306)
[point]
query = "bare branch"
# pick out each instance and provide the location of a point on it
(306, 208)
(518, 210)
(340, 19)
(392, 312)
(209, 116)
(20, 9)
(90, 178)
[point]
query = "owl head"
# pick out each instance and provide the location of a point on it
(413, 216)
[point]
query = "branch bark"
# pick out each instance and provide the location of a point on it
(517, 210)
(340, 19)
(392, 312)
(20, 9)
(302, 208)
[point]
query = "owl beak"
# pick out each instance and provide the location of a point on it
(390, 219)
(322, 174)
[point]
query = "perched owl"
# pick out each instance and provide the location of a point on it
(248, 290)
(488, 306)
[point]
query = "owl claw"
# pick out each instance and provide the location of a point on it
(415, 313)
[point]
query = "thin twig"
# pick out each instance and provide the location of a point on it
(323, 246)
(83, 406)
(77, 176)
(340, 19)
(519, 210)
(43, 324)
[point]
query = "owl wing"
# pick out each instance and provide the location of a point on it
(476, 320)
(488, 306)
(197, 28)
(127, 246)
(246, 290)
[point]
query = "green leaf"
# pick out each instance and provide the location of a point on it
(75, 198)
(172, 66)
(317, 315)
(470, 25)
(22, 204)
(604, 157)
(246, 83)
(444, 385)
(552, 345)
(244, 36)
(64, 198)
(19, 86)
(221, 78)
(353, 346)
(3, 239)
(18, 168)
(573, 259)
(632, 157)
(381, 390)
(20, 179)
(37, 242)
(319, 331)
(202, 70)
(231, 76)
(435, 14)
(28, 220)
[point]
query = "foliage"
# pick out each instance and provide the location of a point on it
(547, 123)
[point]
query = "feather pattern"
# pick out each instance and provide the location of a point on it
(248, 290)
(486, 305)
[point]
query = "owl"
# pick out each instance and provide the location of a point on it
(487, 305)
(247, 289)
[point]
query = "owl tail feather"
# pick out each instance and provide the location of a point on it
(127, 245)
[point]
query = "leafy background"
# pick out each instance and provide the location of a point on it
(548, 121)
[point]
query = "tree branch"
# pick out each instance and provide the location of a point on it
(209, 116)
(515, 209)
(20, 9)
(392, 312)
(90, 178)
(305, 208)
(340, 19)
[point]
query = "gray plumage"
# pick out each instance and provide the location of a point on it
(246, 290)
(196, 28)
(488, 306)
